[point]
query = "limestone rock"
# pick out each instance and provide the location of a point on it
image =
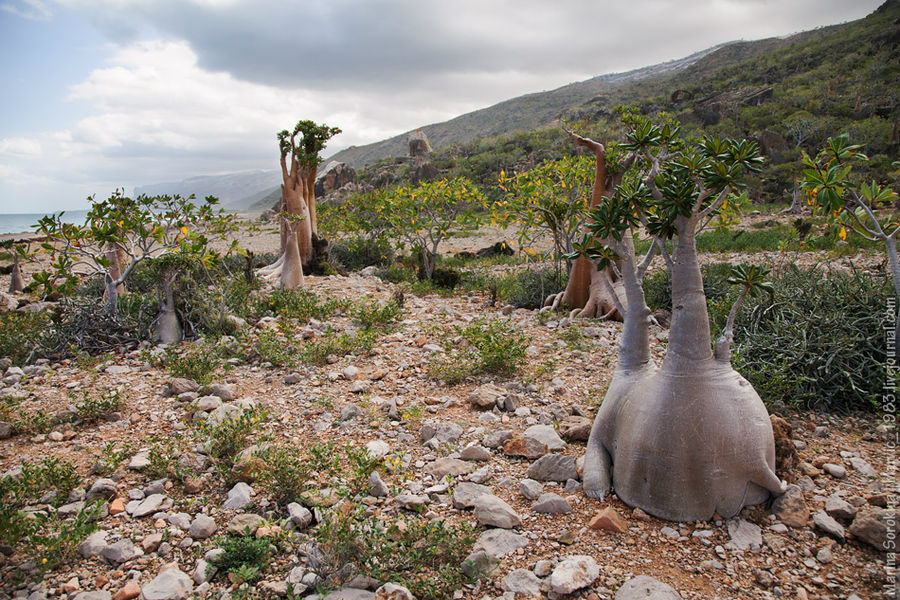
(643, 587)
(553, 467)
(171, 584)
(202, 527)
(449, 466)
(574, 573)
(121, 552)
(393, 591)
(491, 511)
(524, 582)
(575, 428)
(839, 508)
(499, 542)
(466, 493)
(744, 535)
(824, 522)
(871, 527)
(791, 508)
(525, 447)
(546, 435)
(550, 503)
(486, 396)
(239, 496)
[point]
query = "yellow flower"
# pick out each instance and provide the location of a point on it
(843, 233)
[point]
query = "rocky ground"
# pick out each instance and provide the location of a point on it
(500, 453)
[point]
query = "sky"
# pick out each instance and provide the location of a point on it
(104, 94)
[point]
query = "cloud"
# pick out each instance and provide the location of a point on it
(35, 10)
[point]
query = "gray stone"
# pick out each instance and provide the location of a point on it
(139, 461)
(157, 486)
(475, 452)
(526, 447)
(862, 467)
(120, 552)
(180, 385)
(486, 396)
(377, 486)
(496, 438)
(494, 512)
(299, 515)
(393, 591)
(449, 466)
(543, 568)
(377, 448)
(435, 434)
(836, 471)
(550, 503)
(96, 595)
(223, 391)
(871, 527)
(553, 467)
(531, 489)
(828, 525)
(93, 545)
(350, 594)
(180, 520)
(351, 411)
(202, 527)
(839, 508)
(149, 505)
(744, 535)
(203, 572)
(208, 403)
(791, 508)
(499, 542)
(466, 493)
(68, 510)
(245, 523)
(546, 435)
(524, 582)
(643, 587)
(410, 501)
(239, 496)
(6, 430)
(479, 564)
(102, 488)
(574, 573)
(171, 584)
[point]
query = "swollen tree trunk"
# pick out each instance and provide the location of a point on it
(292, 270)
(796, 202)
(168, 328)
(692, 438)
(588, 291)
(16, 282)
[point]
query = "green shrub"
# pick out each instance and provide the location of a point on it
(531, 287)
(91, 410)
(298, 303)
(369, 314)
(223, 441)
(819, 343)
(22, 335)
(361, 252)
(317, 351)
(275, 349)
(423, 555)
(198, 363)
(243, 556)
(493, 346)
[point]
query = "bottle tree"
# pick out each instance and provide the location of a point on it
(300, 161)
(690, 437)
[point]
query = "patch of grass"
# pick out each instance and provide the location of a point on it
(300, 304)
(91, 410)
(22, 335)
(423, 555)
(317, 351)
(369, 314)
(275, 349)
(491, 346)
(531, 287)
(164, 455)
(198, 363)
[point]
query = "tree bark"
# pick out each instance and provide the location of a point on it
(588, 291)
(16, 282)
(689, 337)
(168, 328)
(292, 272)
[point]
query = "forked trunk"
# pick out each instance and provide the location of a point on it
(687, 440)
(116, 256)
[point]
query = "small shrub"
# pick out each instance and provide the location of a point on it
(361, 252)
(492, 347)
(225, 440)
(275, 349)
(423, 555)
(369, 314)
(298, 303)
(22, 335)
(531, 287)
(317, 352)
(163, 456)
(243, 556)
(91, 410)
(199, 363)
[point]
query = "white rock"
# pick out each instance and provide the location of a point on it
(574, 573)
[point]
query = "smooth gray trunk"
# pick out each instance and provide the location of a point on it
(168, 327)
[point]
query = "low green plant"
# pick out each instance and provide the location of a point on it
(30, 423)
(369, 314)
(423, 555)
(164, 455)
(492, 346)
(359, 252)
(91, 410)
(317, 351)
(573, 337)
(22, 335)
(243, 557)
(224, 440)
(112, 457)
(198, 363)
(529, 288)
(298, 303)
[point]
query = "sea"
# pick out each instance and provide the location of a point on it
(24, 222)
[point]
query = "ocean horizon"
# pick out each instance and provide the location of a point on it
(24, 222)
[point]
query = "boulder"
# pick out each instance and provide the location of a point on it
(643, 587)
(333, 177)
(419, 146)
(171, 584)
(871, 526)
(574, 573)
(491, 511)
(553, 467)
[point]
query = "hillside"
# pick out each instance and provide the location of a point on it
(234, 190)
(777, 62)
